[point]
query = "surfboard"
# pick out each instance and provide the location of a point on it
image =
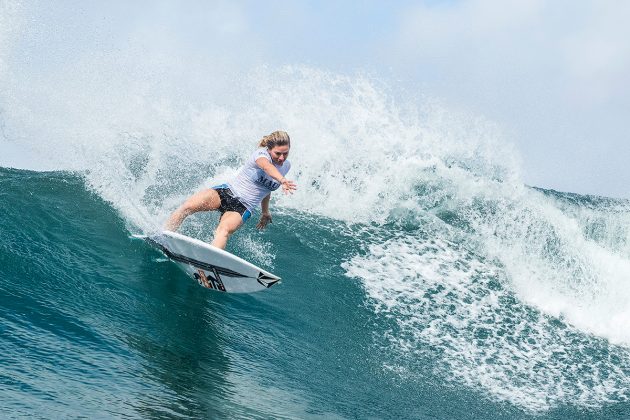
(211, 267)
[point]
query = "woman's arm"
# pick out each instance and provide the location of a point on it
(265, 217)
(272, 171)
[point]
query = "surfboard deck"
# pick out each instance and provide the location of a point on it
(211, 267)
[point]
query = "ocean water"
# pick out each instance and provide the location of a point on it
(422, 278)
(514, 307)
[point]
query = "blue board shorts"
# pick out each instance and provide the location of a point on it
(231, 203)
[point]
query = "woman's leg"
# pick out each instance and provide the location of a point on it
(229, 223)
(202, 201)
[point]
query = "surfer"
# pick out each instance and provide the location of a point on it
(263, 173)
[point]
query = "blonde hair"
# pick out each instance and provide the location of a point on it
(277, 138)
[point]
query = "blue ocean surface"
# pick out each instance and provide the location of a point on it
(411, 317)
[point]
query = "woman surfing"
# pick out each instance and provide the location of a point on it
(263, 173)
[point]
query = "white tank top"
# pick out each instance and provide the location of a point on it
(252, 184)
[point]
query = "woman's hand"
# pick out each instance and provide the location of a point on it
(265, 219)
(288, 186)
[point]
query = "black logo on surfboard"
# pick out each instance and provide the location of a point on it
(266, 281)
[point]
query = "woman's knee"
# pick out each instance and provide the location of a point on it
(228, 225)
(187, 209)
(223, 231)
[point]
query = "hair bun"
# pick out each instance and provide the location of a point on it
(277, 138)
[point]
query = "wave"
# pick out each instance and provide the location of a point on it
(413, 175)
(516, 291)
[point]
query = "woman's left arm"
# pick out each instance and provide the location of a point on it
(265, 217)
(272, 171)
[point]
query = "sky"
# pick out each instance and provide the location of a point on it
(554, 75)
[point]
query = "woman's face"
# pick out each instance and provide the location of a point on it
(279, 154)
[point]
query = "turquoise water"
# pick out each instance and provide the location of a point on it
(97, 324)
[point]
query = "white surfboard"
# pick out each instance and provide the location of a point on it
(212, 267)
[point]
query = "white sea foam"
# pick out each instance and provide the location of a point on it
(257, 250)
(452, 304)
(517, 304)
